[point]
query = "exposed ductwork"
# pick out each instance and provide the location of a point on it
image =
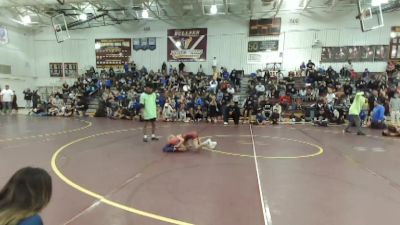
(16, 3)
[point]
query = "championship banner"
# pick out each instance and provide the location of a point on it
(144, 43)
(395, 43)
(262, 46)
(188, 45)
(3, 36)
(112, 52)
(369, 53)
(381, 53)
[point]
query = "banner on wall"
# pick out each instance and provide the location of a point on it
(262, 46)
(148, 43)
(381, 53)
(56, 70)
(187, 45)
(367, 53)
(112, 52)
(63, 69)
(395, 43)
(3, 36)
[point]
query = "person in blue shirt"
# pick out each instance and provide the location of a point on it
(199, 102)
(378, 116)
(26, 193)
(108, 83)
(225, 74)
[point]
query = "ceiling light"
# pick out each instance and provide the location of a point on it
(178, 44)
(379, 2)
(213, 9)
(295, 5)
(393, 34)
(83, 17)
(145, 14)
(97, 45)
(26, 19)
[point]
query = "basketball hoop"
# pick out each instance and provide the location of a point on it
(60, 28)
(370, 15)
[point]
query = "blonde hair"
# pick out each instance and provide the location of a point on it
(26, 193)
(170, 137)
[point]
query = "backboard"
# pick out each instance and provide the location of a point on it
(370, 15)
(60, 28)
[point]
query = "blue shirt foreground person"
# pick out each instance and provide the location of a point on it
(26, 193)
(33, 220)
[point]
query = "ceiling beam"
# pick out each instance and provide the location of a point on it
(333, 4)
(251, 7)
(168, 18)
(306, 3)
(226, 8)
(278, 6)
(178, 11)
(80, 22)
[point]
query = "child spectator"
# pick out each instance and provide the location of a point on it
(169, 113)
(277, 110)
(261, 119)
(198, 114)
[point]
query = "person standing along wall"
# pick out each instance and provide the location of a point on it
(14, 105)
(6, 97)
(214, 64)
(395, 109)
(28, 98)
(149, 110)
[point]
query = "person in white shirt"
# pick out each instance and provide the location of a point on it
(260, 89)
(230, 90)
(6, 97)
(259, 75)
(330, 98)
(278, 109)
(214, 64)
(303, 93)
(213, 86)
(395, 109)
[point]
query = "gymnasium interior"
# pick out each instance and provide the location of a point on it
(275, 84)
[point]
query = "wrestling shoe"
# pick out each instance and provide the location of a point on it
(154, 138)
(213, 144)
(360, 133)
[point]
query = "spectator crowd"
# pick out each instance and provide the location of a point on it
(311, 94)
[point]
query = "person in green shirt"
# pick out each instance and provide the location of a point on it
(354, 112)
(149, 111)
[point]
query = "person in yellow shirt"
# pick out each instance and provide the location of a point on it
(354, 112)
